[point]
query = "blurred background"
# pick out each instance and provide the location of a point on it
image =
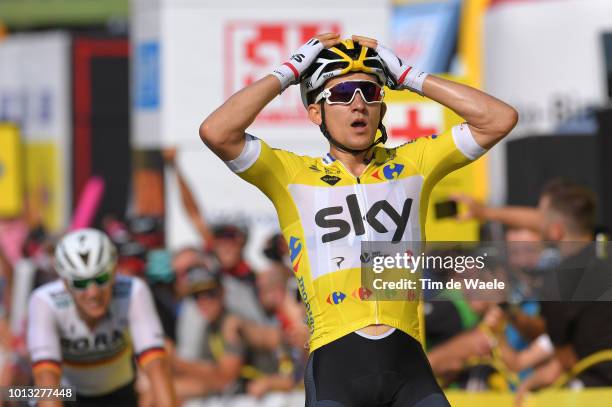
(100, 104)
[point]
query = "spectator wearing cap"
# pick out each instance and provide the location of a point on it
(190, 324)
(238, 277)
(218, 368)
(239, 299)
(161, 279)
(565, 215)
(578, 325)
(276, 348)
(228, 246)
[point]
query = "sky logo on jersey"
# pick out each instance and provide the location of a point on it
(336, 297)
(295, 252)
(326, 219)
(362, 293)
(389, 172)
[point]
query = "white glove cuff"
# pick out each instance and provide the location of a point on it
(289, 72)
(413, 79)
(286, 74)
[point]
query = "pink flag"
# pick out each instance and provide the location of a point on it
(88, 203)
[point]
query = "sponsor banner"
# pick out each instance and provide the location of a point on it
(470, 41)
(37, 99)
(254, 48)
(410, 116)
(146, 74)
(503, 272)
(424, 34)
(201, 65)
(146, 94)
(530, 69)
(35, 94)
(11, 171)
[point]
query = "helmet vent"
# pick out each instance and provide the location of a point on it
(84, 257)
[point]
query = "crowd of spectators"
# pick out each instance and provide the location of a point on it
(231, 329)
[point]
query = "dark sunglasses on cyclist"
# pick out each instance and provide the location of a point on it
(101, 281)
(343, 93)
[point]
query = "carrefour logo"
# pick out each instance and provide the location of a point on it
(336, 297)
(295, 252)
(389, 172)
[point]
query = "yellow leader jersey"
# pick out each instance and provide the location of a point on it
(325, 212)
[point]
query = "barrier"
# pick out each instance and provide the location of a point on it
(600, 397)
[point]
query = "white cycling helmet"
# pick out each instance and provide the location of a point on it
(341, 59)
(84, 254)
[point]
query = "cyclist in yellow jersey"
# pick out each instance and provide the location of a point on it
(363, 352)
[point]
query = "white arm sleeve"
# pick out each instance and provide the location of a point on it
(248, 155)
(465, 142)
(545, 343)
(145, 328)
(42, 337)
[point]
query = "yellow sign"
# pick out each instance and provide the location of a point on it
(594, 397)
(409, 116)
(45, 190)
(11, 171)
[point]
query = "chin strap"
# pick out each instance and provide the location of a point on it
(381, 140)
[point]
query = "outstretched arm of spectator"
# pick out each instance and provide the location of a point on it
(543, 376)
(520, 217)
(47, 378)
(158, 372)
(188, 200)
(261, 336)
(450, 357)
(6, 270)
(538, 351)
(529, 326)
(217, 375)
(261, 386)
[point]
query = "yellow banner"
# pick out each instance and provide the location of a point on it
(11, 171)
(595, 397)
(470, 44)
(44, 186)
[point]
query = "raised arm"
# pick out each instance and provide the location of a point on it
(189, 203)
(162, 386)
(519, 217)
(6, 270)
(489, 118)
(44, 346)
(223, 131)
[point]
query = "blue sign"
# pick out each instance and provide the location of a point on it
(146, 95)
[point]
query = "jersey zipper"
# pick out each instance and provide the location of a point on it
(363, 204)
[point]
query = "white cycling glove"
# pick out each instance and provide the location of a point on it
(289, 73)
(402, 76)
